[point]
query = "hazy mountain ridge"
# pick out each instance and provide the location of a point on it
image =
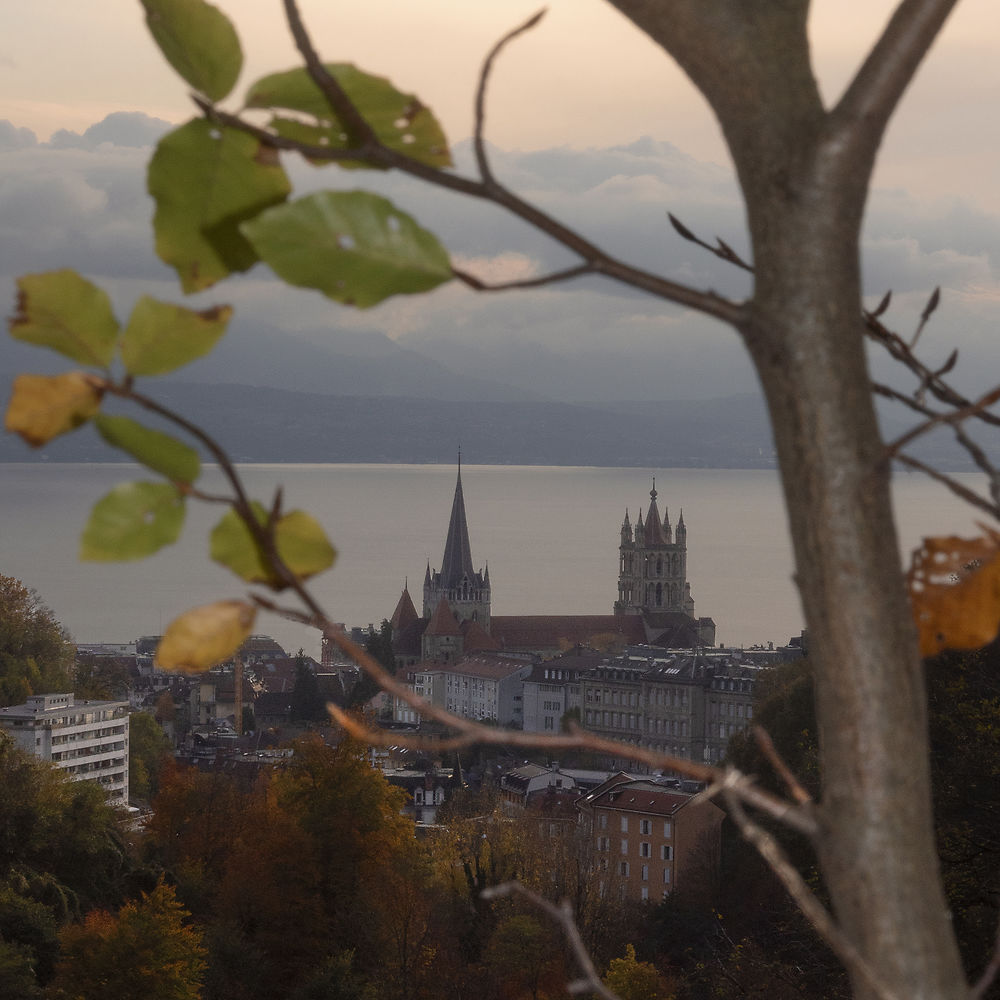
(273, 425)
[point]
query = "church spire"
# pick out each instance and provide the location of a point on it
(457, 561)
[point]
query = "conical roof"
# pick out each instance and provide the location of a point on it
(654, 527)
(405, 613)
(457, 561)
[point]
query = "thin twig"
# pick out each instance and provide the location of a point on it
(770, 751)
(562, 914)
(547, 279)
(808, 904)
(961, 491)
(478, 142)
(964, 413)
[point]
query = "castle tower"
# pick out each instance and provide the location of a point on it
(466, 591)
(652, 564)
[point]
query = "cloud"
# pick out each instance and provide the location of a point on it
(12, 137)
(82, 203)
(121, 128)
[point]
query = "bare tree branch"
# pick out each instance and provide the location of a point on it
(770, 751)
(961, 491)
(857, 123)
(562, 914)
(938, 419)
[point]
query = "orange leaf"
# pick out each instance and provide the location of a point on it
(954, 586)
(44, 406)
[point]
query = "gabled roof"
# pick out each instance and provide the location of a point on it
(476, 637)
(642, 796)
(442, 621)
(457, 561)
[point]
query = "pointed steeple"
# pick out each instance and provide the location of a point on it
(681, 530)
(457, 561)
(667, 533)
(654, 529)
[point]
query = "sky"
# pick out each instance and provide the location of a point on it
(586, 115)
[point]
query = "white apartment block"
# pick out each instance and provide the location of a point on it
(88, 739)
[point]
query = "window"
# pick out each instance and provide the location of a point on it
(549, 723)
(666, 876)
(645, 873)
(644, 851)
(602, 821)
(624, 824)
(645, 827)
(666, 828)
(624, 847)
(645, 892)
(623, 868)
(603, 844)
(666, 853)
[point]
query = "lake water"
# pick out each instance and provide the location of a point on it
(549, 535)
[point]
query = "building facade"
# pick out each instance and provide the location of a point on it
(87, 740)
(649, 840)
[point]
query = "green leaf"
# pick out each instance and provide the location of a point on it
(157, 451)
(133, 521)
(399, 120)
(199, 41)
(64, 311)
(44, 406)
(161, 337)
(355, 247)
(205, 182)
(301, 543)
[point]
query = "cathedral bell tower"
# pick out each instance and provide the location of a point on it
(652, 564)
(466, 592)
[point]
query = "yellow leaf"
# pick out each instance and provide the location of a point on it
(954, 586)
(204, 636)
(44, 406)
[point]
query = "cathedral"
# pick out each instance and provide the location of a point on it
(654, 605)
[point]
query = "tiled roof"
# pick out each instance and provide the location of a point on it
(641, 797)
(556, 632)
(476, 637)
(485, 666)
(442, 621)
(405, 613)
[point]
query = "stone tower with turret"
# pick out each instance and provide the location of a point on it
(465, 591)
(652, 564)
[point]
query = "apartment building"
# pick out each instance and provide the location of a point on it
(88, 740)
(649, 839)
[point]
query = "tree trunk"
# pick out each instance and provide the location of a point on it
(804, 174)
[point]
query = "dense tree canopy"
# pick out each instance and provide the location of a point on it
(36, 656)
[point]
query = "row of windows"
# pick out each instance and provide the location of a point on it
(658, 696)
(623, 870)
(666, 851)
(733, 709)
